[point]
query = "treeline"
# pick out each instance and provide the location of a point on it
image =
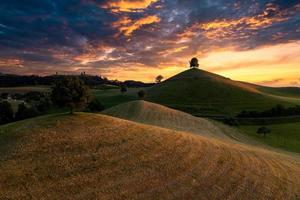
(277, 111)
(9, 80)
(31, 104)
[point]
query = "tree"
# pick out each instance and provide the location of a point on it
(194, 63)
(70, 92)
(263, 131)
(123, 88)
(6, 112)
(4, 95)
(159, 78)
(95, 106)
(141, 94)
(25, 112)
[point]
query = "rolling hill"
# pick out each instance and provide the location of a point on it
(158, 115)
(89, 156)
(203, 93)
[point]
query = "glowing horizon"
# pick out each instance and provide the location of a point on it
(257, 42)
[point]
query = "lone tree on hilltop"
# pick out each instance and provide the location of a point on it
(159, 78)
(263, 131)
(194, 63)
(70, 92)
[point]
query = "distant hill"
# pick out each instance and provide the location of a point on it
(203, 93)
(89, 156)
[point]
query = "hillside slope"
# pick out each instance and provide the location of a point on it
(88, 156)
(158, 115)
(203, 93)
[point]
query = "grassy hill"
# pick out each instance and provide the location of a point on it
(203, 93)
(88, 156)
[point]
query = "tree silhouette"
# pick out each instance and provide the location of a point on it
(194, 63)
(263, 131)
(123, 88)
(6, 112)
(159, 78)
(141, 94)
(71, 92)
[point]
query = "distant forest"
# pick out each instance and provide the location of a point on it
(11, 80)
(277, 111)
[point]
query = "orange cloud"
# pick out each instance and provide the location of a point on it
(220, 29)
(10, 62)
(126, 26)
(128, 5)
(173, 50)
(94, 54)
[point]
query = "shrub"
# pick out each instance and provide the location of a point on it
(141, 94)
(4, 95)
(33, 96)
(6, 112)
(263, 131)
(95, 106)
(43, 105)
(123, 88)
(231, 121)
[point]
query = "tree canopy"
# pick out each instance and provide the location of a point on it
(194, 63)
(71, 92)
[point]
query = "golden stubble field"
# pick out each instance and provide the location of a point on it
(88, 156)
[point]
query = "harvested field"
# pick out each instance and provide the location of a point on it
(88, 156)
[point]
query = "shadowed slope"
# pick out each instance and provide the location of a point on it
(199, 92)
(158, 115)
(99, 157)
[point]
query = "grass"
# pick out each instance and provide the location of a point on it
(24, 89)
(88, 156)
(202, 93)
(285, 136)
(113, 97)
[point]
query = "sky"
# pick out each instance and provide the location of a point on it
(256, 41)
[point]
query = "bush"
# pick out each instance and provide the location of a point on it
(4, 95)
(95, 106)
(263, 131)
(43, 105)
(25, 112)
(6, 112)
(33, 96)
(141, 94)
(231, 121)
(123, 88)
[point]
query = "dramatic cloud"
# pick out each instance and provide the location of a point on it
(127, 5)
(127, 26)
(138, 39)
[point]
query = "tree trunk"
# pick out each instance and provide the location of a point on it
(71, 110)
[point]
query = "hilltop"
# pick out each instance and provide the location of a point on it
(89, 156)
(203, 93)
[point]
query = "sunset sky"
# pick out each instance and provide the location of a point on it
(250, 40)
